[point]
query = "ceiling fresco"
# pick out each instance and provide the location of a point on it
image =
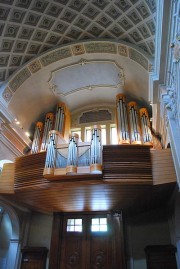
(30, 27)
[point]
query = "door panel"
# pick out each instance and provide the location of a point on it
(86, 249)
(72, 253)
(98, 252)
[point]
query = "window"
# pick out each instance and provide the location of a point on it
(114, 138)
(99, 225)
(74, 225)
(78, 131)
(88, 134)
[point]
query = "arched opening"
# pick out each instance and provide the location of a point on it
(9, 234)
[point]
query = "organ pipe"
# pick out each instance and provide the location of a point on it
(51, 154)
(60, 118)
(95, 152)
(36, 144)
(122, 119)
(72, 154)
(47, 128)
(145, 127)
(134, 123)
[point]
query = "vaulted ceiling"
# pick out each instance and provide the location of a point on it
(30, 27)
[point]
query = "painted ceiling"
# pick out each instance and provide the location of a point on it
(29, 28)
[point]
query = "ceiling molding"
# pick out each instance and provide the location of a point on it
(59, 54)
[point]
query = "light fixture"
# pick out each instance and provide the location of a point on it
(27, 134)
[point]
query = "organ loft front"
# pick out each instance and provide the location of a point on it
(90, 186)
(89, 134)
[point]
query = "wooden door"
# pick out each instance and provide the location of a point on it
(87, 249)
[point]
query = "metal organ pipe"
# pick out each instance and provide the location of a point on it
(60, 118)
(36, 144)
(145, 126)
(122, 119)
(51, 154)
(72, 155)
(134, 123)
(47, 128)
(95, 152)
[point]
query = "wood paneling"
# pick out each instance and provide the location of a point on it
(127, 164)
(161, 257)
(163, 167)
(29, 171)
(7, 178)
(126, 182)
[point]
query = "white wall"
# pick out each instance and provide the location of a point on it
(5, 236)
(40, 231)
(150, 228)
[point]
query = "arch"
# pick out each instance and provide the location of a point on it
(14, 246)
(61, 53)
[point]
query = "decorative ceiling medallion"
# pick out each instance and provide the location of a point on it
(123, 51)
(78, 49)
(86, 75)
(34, 66)
(7, 94)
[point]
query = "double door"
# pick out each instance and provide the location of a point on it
(86, 242)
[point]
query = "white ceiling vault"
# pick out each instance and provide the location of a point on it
(30, 27)
(81, 52)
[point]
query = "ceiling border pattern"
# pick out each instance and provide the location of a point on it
(120, 49)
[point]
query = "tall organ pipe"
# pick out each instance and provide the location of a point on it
(122, 119)
(60, 118)
(36, 144)
(47, 128)
(145, 127)
(96, 152)
(134, 123)
(72, 154)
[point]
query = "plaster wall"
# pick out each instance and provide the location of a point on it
(150, 228)
(40, 231)
(5, 236)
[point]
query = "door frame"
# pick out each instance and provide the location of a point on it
(117, 237)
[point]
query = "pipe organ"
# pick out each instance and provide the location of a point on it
(60, 118)
(36, 144)
(134, 123)
(122, 120)
(50, 163)
(96, 151)
(72, 155)
(60, 124)
(145, 127)
(47, 128)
